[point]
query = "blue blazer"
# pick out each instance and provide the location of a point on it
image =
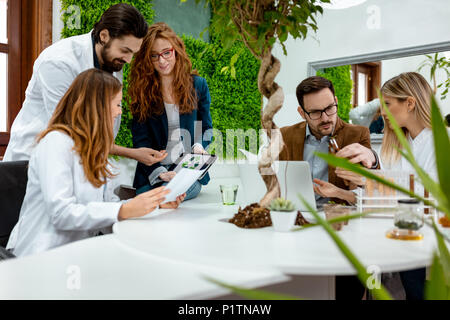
(153, 132)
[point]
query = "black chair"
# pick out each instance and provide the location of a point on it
(13, 184)
(125, 192)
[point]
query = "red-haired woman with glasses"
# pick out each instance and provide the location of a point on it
(167, 100)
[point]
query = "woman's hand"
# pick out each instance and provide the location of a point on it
(173, 204)
(199, 150)
(149, 156)
(167, 176)
(143, 204)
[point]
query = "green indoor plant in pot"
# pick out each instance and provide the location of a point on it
(282, 214)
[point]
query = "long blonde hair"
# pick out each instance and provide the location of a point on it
(84, 113)
(407, 84)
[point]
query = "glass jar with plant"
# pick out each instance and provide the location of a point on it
(408, 219)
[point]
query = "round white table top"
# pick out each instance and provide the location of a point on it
(198, 234)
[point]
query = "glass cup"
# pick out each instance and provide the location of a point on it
(229, 193)
(333, 211)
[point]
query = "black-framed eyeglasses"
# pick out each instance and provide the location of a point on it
(166, 54)
(317, 114)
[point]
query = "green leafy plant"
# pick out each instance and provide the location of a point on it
(343, 84)
(435, 63)
(281, 204)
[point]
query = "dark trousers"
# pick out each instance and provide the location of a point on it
(414, 283)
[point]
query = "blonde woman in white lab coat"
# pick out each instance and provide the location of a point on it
(68, 171)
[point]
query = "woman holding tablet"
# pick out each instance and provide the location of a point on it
(67, 196)
(167, 100)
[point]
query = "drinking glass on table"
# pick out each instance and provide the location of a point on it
(229, 193)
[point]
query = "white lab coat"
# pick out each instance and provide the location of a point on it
(60, 204)
(53, 73)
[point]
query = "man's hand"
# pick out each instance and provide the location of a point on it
(329, 190)
(167, 176)
(350, 176)
(357, 153)
(173, 204)
(149, 156)
(325, 189)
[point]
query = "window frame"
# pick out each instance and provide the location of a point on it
(29, 28)
(373, 72)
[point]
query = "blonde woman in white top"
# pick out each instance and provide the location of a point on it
(408, 98)
(67, 196)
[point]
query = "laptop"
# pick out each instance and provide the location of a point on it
(293, 176)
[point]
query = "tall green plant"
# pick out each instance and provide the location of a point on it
(436, 63)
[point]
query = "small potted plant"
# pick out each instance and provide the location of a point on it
(282, 214)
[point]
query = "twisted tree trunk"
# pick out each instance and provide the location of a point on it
(270, 66)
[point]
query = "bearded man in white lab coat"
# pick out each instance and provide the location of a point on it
(116, 37)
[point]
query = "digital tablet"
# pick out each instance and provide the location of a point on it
(194, 161)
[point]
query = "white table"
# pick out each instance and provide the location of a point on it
(166, 255)
(199, 234)
(102, 268)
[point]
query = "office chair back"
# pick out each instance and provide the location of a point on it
(13, 184)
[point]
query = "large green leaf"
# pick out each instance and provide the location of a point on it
(441, 142)
(435, 288)
(363, 275)
(444, 255)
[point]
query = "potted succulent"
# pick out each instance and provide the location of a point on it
(282, 214)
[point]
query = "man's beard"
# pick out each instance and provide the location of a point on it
(322, 131)
(110, 65)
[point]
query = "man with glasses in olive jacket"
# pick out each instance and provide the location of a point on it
(319, 106)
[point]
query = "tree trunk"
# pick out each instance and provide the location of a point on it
(270, 66)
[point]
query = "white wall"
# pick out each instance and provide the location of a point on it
(373, 26)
